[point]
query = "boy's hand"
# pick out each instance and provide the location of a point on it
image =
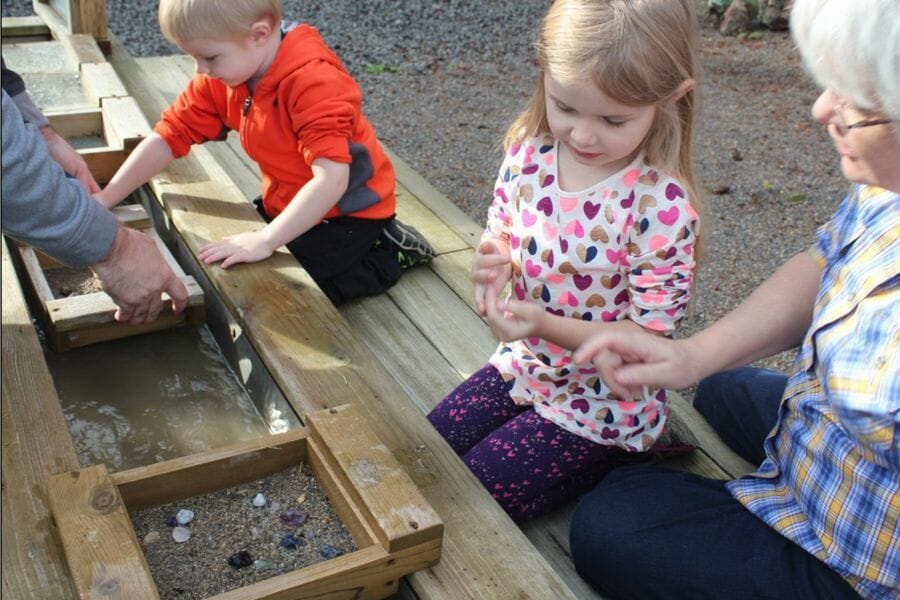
(248, 247)
(512, 320)
(492, 266)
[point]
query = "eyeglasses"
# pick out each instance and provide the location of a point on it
(841, 122)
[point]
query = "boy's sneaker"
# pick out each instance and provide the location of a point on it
(411, 246)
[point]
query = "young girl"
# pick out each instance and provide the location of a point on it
(593, 224)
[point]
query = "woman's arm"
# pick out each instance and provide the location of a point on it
(773, 318)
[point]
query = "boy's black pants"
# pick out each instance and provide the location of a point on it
(340, 254)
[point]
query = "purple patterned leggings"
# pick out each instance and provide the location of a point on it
(528, 464)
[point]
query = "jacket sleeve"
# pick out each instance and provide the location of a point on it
(14, 85)
(194, 118)
(325, 103)
(41, 206)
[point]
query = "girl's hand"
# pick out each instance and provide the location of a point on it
(512, 320)
(607, 362)
(103, 198)
(249, 247)
(492, 266)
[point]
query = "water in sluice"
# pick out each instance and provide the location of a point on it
(152, 397)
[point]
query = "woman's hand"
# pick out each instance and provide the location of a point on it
(642, 359)
(248, 247)
(492, 267)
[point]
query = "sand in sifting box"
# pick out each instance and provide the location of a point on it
(234, 541)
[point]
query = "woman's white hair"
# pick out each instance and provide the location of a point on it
(852, 47)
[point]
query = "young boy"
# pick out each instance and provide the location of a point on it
(327, 185)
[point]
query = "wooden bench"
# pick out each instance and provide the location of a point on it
(394, 356)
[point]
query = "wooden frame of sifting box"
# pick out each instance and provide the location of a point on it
(87, 319)
(102, 107)
(395, 529)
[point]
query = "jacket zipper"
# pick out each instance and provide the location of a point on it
(244, 121)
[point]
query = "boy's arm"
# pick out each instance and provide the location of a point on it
(303, 212)
(150, 157)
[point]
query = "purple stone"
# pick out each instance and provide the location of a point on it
(329, 551)
(294, 517)
(290, 541)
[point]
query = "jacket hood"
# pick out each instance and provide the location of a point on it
(301, 44)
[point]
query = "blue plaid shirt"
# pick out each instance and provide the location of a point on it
(831, 479)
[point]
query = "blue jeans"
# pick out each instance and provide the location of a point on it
(652, 532)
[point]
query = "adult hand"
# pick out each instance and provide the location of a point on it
(646, 359)
(492, 266)
(248, 247)
(69, 159)
(135, 275)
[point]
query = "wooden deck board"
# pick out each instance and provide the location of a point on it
(36, 444)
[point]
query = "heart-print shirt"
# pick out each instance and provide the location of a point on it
(622, 249)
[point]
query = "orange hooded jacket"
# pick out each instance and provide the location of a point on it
(306, 106)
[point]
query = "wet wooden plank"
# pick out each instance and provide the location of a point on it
(36, 444)
(102, 550)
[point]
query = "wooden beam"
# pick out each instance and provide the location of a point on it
(102, 550)
(35, 444)
(30, 26)
(394, 506)
(66, 17)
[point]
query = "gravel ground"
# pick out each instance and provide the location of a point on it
(442, 80)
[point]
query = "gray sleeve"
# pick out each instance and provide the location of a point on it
(40, 205)
(14, 86)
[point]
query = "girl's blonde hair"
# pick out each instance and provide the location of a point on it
(182, 20)
(639, 53)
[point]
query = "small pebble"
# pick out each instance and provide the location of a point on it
(259, 501)
(181, 534)
(290, 541)
(184, 516)
(151, 537)
(172, 521)
(329, 551)
(254, 532)
(293, 517)
(262, 565)
(241, 559)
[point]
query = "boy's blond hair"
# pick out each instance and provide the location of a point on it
(638, 52)
(182, 20)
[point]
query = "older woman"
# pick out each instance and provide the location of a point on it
(819, 518)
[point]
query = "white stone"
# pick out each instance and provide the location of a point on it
(181, 534)
(184, 516)
(259, 501)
